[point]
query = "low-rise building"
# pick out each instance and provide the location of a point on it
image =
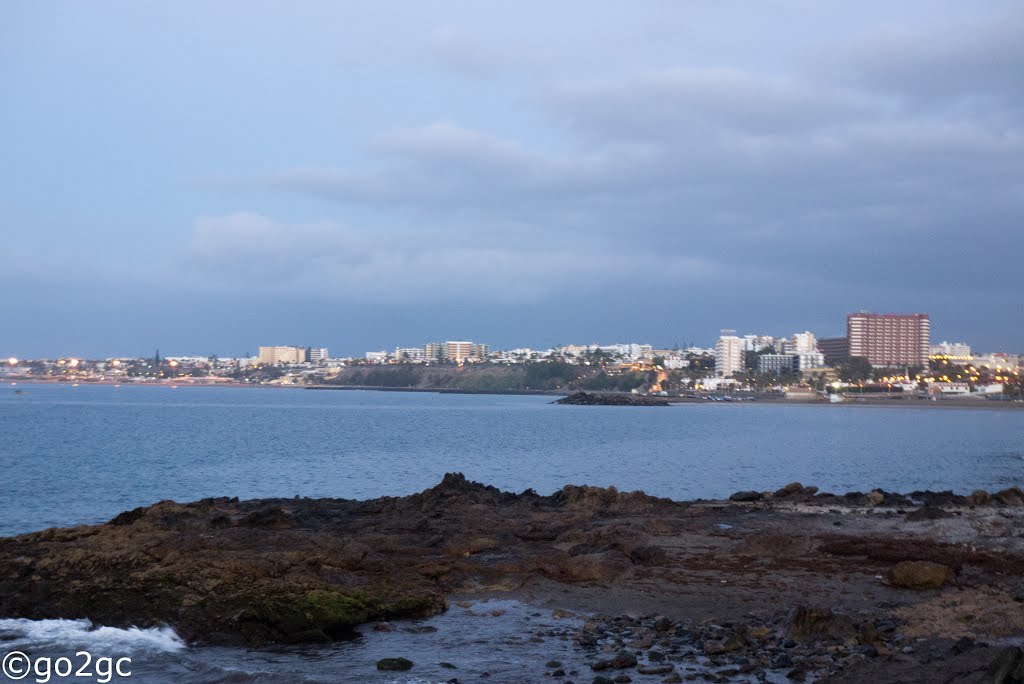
(777, 363)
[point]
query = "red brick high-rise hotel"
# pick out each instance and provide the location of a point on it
(890, 340)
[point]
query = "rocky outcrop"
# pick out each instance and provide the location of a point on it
(224, 571)
(599, 399)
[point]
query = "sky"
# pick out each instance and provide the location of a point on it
(205, 178)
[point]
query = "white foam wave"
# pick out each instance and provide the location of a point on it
(84, 633)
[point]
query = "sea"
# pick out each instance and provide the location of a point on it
(72, 455)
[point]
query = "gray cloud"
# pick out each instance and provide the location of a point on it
(857, 174)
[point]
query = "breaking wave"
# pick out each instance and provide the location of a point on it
(42, 633)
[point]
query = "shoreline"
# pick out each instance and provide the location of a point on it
(851, 400)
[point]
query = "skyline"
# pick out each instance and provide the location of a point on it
(210, 178)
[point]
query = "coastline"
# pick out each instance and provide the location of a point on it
(850, 401)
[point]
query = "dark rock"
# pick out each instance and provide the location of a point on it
(920, 575)
(978, 497)
(655, 669)
(789, 490)
(662, 624)
(623, 679)
(1007, 666)
(1012, 496)
(655, 656)
(749, 495)
(649, 556)
(623, 660)
(553, 664)
(597, 399)
(602, 680)
(782, 660)
(394, 664)
(816, 623)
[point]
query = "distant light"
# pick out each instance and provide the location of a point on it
(73, 362)
(13, 361)
(115, 362)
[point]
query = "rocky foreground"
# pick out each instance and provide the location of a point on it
(794, 583)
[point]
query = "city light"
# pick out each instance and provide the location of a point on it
(13, 361)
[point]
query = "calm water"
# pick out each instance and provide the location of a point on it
(72, 455)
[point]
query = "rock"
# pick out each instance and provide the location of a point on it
(920, 575)
(978, 497)
(602, 680)
(553, 664)
(649, 556)
(673, 678)
(560, 614)
(781, 661)
(642, 644)
(745, 496)
(447, 666)
(662, 624)
(623, 660)
(1007, 667)
(623, 679)
(596, 399)
(1012, 496)
(497, 612)
(655, 656)
(789, 490)
(394, 664)
(655, 669)
(816, 623)
(874, 498)
(384, 627)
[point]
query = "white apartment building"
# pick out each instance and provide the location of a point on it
(803, 343)
(809, 360)
(728, 356)
(318, 354)
(958, 350)
(755, 343)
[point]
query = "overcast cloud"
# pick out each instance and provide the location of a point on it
(514, 174)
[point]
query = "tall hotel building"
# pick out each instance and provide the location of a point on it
(890, 340)
(728, 355)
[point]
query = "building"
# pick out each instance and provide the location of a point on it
(281, 355)
(460, 351)
(377, 356)
(811, 360)
(410, 354)
(955, 352)
(777, 363)
(728, 355)
(755, 343)
(803, 343)
(890, 340)
(433, 351)
(318, 355)
(835, 349)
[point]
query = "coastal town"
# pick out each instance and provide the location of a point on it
(881, 356)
